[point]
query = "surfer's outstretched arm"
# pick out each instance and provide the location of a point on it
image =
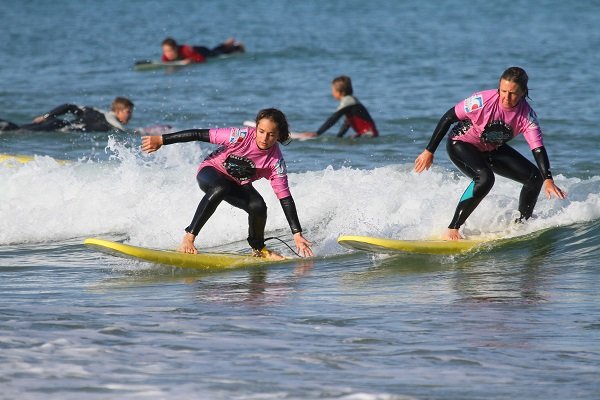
(152, 143)
(425, 159)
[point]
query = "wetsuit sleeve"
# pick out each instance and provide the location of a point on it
(289, 209)
(189, 135)
(64, 109)
(441, 129)
(541, 158)
(343, 129)
(330, 121)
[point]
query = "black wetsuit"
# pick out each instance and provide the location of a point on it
(84, 119)
(219, 50)
(481, 166)
(7, 126)
(218, 187)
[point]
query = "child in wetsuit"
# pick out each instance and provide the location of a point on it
(244, 156)
(357, 116)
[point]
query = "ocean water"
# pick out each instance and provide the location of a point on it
(516, 320)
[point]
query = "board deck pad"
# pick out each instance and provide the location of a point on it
(390, 246)
(206, 261)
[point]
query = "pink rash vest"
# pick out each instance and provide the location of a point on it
(241, 160)
(484, 120)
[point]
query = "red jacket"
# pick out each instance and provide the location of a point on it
(187, 52)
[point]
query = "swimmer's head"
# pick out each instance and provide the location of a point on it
(170, 49)
(343, 85)
(123, 109)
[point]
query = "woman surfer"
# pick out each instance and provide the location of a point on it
(477, 146)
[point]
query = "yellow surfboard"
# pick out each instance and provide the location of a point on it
(21, 159)
(382, 245)
(204, 261)
(15, 158)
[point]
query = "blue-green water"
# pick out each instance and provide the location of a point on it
(518, 320)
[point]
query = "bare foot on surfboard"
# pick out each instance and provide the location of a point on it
(452, 234)
(187, 244)
(266, 253)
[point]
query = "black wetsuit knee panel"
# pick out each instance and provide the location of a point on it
(257, 206)
(484, 180)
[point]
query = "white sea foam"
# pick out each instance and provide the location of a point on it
(151, 198)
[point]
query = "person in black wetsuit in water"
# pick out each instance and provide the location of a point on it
(83, 118)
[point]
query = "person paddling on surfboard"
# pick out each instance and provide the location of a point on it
(245, 155)
(197, 54)
(478, 147)
(356, 115)
(80, 118)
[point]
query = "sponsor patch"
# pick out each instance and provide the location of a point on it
(280, 167)
(473, 103)
(461, 128)
(237, 135)
(532, 117)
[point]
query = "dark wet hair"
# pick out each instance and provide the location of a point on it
(343, 84)
(170, 42)
(278, 118)
(518, 76)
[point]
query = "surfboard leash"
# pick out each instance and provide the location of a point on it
(288, 246)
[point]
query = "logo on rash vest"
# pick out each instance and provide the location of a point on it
(280, 167)
(473, 103)
(241, 168)
(461, 128)
(532, 117)
(497, 133)
(237, 135)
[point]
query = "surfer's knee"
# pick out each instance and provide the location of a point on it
(257, 207)
(536, 180)
(484, 181)
(215, 193)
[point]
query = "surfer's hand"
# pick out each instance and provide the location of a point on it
(151, 143)
(423, 161)
(308, 134)
(550, 188)
(187, 244)
(302, 245)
